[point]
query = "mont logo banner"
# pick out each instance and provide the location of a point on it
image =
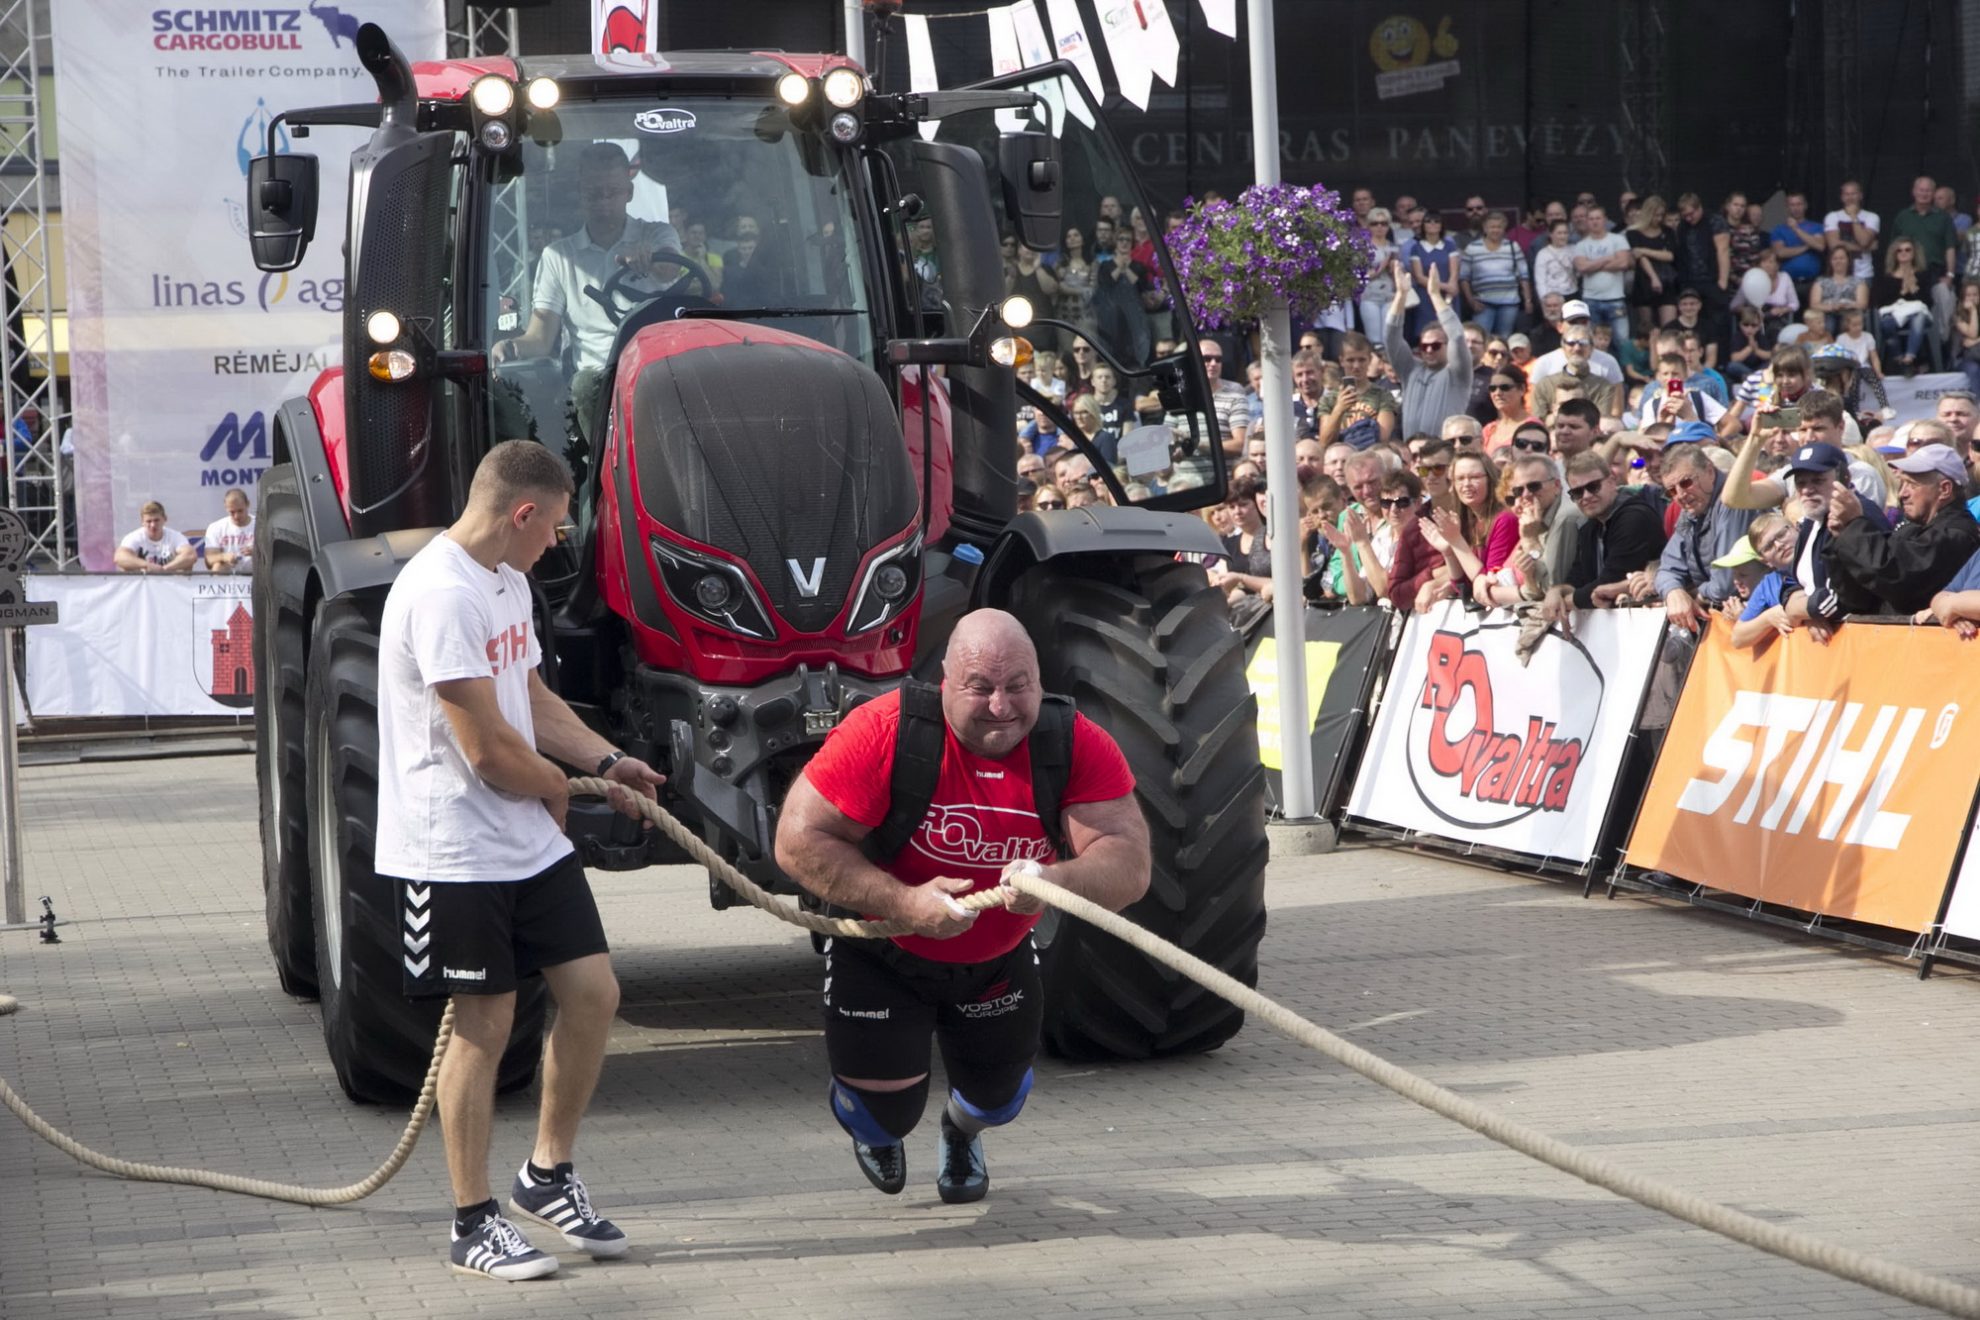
(1475, 746)
(1833, 779)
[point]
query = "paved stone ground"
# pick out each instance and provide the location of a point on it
(1820, 1087)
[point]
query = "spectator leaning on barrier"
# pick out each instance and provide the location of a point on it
(1414, 561)
(1706, 529)
(1906, 568)
(154, 547)
(1957, 606)
(1548, 524)
(1621, 537)
(229, 543)
(1770, 541)
(1436, 374)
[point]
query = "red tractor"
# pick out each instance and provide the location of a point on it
(777, 516)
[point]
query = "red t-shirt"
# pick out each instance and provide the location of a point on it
(981, 817)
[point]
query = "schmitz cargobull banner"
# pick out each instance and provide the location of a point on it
(1832, 779)
(1473, 745)
(179, 348)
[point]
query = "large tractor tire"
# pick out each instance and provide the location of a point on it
(1147, 651)
(380, 1041)
(281, 648)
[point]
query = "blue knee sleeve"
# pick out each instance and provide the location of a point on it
(878, 1118)
(1000, 1114)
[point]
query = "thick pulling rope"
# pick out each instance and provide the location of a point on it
(1841, 1262)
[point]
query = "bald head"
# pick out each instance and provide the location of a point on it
(990, 688)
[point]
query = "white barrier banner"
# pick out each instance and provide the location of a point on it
(1916, 397)
(142, 645)
(1473, 745)
(179, 348)
(1963, 912)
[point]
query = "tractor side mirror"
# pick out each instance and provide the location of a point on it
(281, 209)
(1033, 197)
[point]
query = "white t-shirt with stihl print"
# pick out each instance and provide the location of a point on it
(449, 618)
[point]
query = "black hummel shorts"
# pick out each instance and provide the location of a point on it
(482, 937)
(883, 1004)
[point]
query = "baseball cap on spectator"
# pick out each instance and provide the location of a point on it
(1742, 551)
(1518, 341)
(1720, 457)
(1933, 461)
(1830, 358)
(1688, 292)
(1574, 310)
(1818, 458)
(1892, 449)
(1692, 433)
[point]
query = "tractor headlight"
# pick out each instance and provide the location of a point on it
(382, 327)
(712, 590)
(543, 93)
(887, 586)
(844, 88)
(493, 95)
(794, 89)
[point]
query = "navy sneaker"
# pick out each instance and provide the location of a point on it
(963, 1176)
(884, 1166)
(564, 1205)
(498, 1249)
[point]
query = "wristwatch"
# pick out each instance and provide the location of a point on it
(610, 761)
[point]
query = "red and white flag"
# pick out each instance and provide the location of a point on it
(625, 27)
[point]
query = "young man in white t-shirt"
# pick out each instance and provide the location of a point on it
(470, 825)
(1855, 230)
(154, 547)
(229, 542)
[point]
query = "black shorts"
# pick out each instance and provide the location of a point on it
(482, 937)
(883, 1005)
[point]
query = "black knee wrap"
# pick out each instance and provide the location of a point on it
(995, 1093)
(878, 1118)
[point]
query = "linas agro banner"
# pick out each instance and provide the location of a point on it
(180, 349)
(1476, 745)
(1831, 779)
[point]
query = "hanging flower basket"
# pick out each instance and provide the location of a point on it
(1282, 241)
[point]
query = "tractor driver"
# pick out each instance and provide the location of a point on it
(610, 239)
(970, 980)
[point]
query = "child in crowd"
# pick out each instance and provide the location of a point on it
(1861, 344)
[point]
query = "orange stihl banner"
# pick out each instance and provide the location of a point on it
(1834, 779)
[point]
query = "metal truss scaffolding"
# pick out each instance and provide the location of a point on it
(474, 30)
(32, 405)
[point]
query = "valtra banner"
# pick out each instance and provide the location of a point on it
(1832, 779)
(1473, 745)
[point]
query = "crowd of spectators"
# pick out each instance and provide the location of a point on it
(1546, 412)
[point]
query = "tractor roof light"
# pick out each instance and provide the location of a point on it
(1016, 311)
(382, 327)
(794, 89)
(496, 135)
(845, 128)
(493, 94)
(1011, 351)
(844, 88)
(393, 365)
(543, 93)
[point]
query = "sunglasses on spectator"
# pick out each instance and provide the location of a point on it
(1427, 469)
(1429, 345)
(1501, 387)
(1474, 210)
(1213, 357)
(1531, 446)
(1682, 486)
(1049, 504)
(1576, 343)
(1397, 501)
(1495, 352)
(1584, 491)
(1533, 488)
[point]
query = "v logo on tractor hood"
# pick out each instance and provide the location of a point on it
(807, 583)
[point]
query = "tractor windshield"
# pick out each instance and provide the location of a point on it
(637, 212)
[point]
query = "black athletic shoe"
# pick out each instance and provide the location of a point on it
(563, 1204)
(964, 1177)
(884, 1166)
(498, 1249)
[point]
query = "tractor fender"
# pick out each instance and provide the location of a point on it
(342, 565)
(299, 441)
(1033, 538)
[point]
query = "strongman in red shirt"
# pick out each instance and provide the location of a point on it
(968, 981)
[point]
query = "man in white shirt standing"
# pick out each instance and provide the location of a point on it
(1575, 315)
(229, 545)
(470, 825)
(1854, 229)
(1602, 259)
